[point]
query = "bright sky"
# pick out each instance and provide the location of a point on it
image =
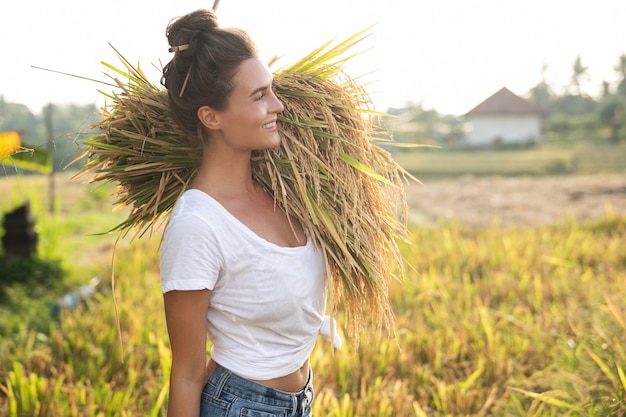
(448, 54)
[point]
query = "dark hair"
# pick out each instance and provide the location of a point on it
(206, 59)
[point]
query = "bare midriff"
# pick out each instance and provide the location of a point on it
(293, 382)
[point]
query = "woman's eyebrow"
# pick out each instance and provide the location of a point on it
(259, 90)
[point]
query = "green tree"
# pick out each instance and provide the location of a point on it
(71, 124)
(579, 74)
(611, 114)
(573, 105)
(606, 89)
(612, 110)
(19, 117)
(620, 68)
(416, 124)
(542, 93)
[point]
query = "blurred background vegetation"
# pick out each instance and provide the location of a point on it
(574, 118)
(572, 114)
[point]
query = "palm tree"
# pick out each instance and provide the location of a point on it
(579, 74)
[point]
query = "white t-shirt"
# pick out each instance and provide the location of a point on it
(267, 301)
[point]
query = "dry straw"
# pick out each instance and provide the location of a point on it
(328, 173)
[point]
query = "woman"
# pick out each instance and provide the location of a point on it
(233, 264)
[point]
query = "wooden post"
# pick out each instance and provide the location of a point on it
(50, 142)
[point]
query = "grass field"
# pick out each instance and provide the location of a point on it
(546, 159)
(491, 321)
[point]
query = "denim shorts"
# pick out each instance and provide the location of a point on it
(228, 395)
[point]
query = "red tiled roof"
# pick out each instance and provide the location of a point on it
(505, 102)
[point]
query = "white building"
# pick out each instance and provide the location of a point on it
(505, 118)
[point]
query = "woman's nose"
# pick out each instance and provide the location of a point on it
(277, 106)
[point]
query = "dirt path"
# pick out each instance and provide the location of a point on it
(520, 201)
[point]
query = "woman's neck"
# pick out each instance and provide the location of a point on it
(225, 175)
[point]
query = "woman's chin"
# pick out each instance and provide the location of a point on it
(274, 142)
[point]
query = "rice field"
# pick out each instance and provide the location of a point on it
(550, 158)
(494, 320)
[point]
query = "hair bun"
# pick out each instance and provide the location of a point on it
(183, 30)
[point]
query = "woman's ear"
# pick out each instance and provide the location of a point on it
(208, 117)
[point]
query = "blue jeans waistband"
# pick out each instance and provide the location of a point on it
(224, 381)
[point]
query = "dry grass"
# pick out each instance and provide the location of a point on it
(492, 321)
(328, 173)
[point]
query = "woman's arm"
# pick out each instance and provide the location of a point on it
(186, 316)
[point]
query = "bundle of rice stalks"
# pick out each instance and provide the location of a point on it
(328, 173)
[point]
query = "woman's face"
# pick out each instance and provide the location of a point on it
(249, 121)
